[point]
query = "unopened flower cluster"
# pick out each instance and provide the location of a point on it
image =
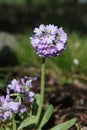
(49, 40)
(21, 90)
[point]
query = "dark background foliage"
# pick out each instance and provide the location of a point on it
(16, 16)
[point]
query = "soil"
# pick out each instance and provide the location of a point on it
(69, 100)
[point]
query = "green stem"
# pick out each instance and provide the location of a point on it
(14, 122)
(77, 127)
(42, 89)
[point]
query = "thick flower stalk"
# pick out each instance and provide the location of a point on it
(49, 40)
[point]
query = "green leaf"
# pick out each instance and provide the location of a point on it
(36, 104)
(37, 97)
(46, 116)
(28, 121)
(65, 126)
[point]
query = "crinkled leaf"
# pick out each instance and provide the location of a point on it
(46, 116)
(65, 126)
(28, 121)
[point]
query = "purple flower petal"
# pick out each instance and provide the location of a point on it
(6, 115)
(14, 106)
(22, 109)
(31, 94)
(29, 84)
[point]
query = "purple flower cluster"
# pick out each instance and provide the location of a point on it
(21, 91)
(9, 106)
(49, 40)
(22, 87)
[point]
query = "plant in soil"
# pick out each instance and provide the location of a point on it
(21, 108)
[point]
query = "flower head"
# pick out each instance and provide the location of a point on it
(9, 105)
(49, 40)
(23, 88)
(15, 85)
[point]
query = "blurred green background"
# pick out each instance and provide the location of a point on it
(18, 18)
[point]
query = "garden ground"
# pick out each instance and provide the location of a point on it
(69, 99)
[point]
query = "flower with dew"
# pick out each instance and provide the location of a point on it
(48, 40)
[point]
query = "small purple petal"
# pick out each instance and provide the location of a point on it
(6, 115)
(31, 100)
(60, 46)
(29, 84)
(14, 106)
(22, 80)
(14, 81)
(22, 109)
(31, 94)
